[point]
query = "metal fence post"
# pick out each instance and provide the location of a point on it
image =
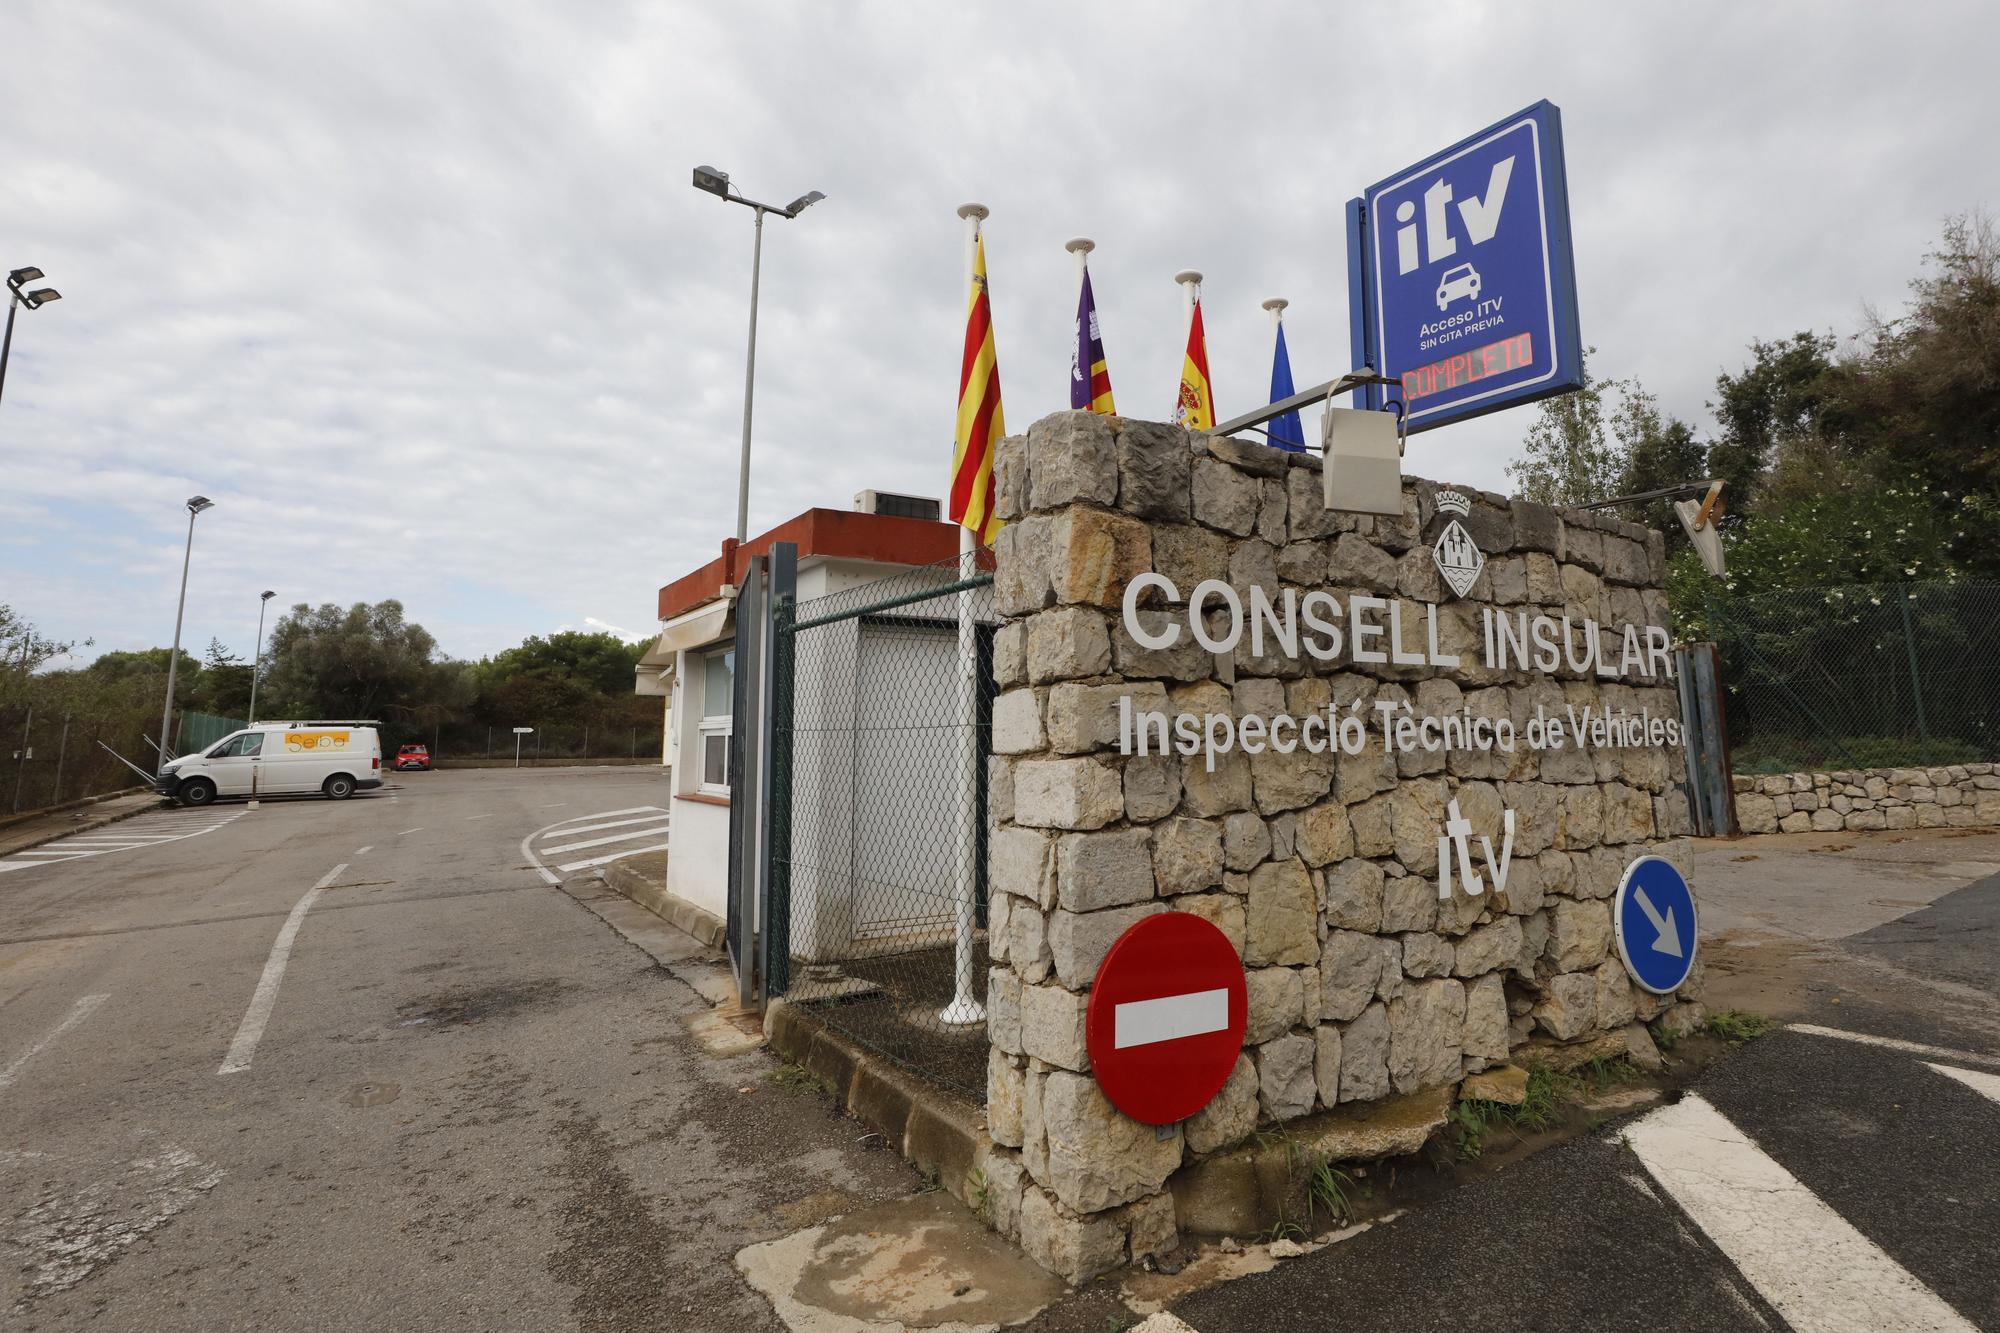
(774, 883)
(21, 767)
(1916, 677)
(62, 748)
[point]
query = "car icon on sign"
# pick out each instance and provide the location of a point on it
(1462, 281)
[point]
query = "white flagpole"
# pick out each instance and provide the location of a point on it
(1276, 305)
(1081, 248)
(964, 1009)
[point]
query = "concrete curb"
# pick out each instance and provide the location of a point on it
(141, 803)
(942, 1135)
(704, 925)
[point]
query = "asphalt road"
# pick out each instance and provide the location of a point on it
(469, 1104)
(1837, 1174)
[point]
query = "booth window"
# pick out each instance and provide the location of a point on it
(718, 678)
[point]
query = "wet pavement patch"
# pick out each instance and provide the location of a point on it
(919, 1262)
(474, 1005)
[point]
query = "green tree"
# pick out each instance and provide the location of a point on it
(1771, 414)
(1658, 451)
(1567, 457)
(222, 686)
(353, 663)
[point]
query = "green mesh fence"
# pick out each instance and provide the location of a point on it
(198, 731)
(1861, 676)
(879, 819)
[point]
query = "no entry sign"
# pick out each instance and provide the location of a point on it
(1166, 1016)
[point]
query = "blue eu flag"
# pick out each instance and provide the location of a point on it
(1285, 431)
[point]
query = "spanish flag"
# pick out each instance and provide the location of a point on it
(980, 424)
(1196, 408)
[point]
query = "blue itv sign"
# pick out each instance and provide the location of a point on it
(1460, 279)
(1653, 921)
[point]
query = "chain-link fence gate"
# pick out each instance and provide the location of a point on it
(1861, 676)
(878, 822)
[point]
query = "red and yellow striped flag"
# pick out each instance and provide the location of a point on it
(1195, 408)
(980, 423)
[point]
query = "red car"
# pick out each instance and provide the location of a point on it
(413, 757)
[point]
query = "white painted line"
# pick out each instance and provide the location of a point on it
(1804, 1258)
(363, 851)
(1894, 1044)
(408, 831)
(79, 1011)
(607, 860)
(555, 805)
(1986, 1085)
(1143, 1022)
(265, 997)
(487, 815)
(607, 814)
(567, 831)
(1164, 1321)
(652, 829)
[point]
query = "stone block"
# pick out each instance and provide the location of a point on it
(1100, 1157)
(1071, 456)
(1426, 955)
(1224, 911)
(1426, 1027)
(1003, 1011)
(1026, 947)
(1052, 1027)
(1485, 1036)
(1281, 925)
(1489, 948)
(1076, 1249)
(1350, 969)
(1326, 1064)
(1507, 1085)
(1356, 563)
(1006, 1086)
(1217, 791)
(1246, 841)
(1154, 466)
(1149, 1227)
(1615, 1006)
(1067, 642)
(1010, 478)
(1628, 814)
(1225, 497)
(1276, 1003)
(1022, 862)
(1185, 660)
(1021, 581)
(1409, 903)
(1416, 819)
(1352, 895)
(1580, 934)
(1107, 869)
(1364, 1055)
(1010, 653)
(1082, 718)
(1325, 834)
(1286, 1088)
(1017, 723)
(1095, 554)
(1066, 793)
(1078, 941)
(1568, 1008)
(1290, 781)
(1187, 855)
(1229, 1118)
(1152, 788)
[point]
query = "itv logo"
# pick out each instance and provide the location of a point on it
(1479, 214)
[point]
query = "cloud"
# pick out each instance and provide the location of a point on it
(424, 300)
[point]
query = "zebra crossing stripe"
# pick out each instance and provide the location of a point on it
(1807, 1260)
(1986, 1085)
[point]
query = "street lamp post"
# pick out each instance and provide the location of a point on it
(717, 183)
(257, 662)
(195, 504)
(16, 298)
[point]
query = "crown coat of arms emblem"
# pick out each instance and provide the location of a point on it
(1457, 557)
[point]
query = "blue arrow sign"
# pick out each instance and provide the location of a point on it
(1460, 279)
(1654, 922)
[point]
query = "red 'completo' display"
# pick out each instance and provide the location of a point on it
(1465, 367)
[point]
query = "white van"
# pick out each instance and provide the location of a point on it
(277, 759)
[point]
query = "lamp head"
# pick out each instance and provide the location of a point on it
(22, 276)
(41, 296)
(802, 203)
(268, 594)
(711, 179)
(197, 503)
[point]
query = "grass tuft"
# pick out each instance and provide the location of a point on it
(1735, 1026)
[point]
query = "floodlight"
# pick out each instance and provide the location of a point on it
(21, 276)
(802, 203)
(40, 297)
(712, 180)
(197, 503)
(267, 595)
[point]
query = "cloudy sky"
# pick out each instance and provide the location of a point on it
(421, 296)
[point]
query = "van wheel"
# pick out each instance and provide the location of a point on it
(338, 787)
(196, 791)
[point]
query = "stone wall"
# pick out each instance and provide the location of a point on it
(1321, 869)
(1957, 796)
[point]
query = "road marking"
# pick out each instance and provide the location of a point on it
(408, 831)
(607, 814)
(1800, 1255)
(1163, 1321)
(251, 1031)
(1986, 1085)
(92, 843)
(487, 815)
(555, 805)
(363, 851)
(1143, 1022)
(567, 832)
(606, 860)
(1895, 1044)
(652, 829)
(79, 1011)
